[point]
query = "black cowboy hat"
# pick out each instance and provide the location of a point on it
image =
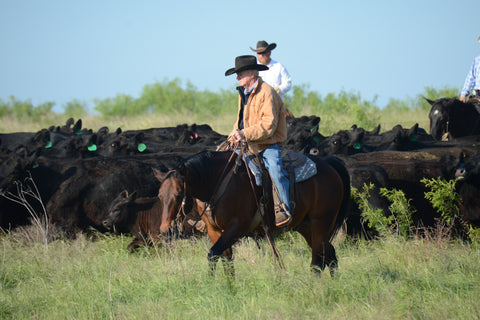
(243, 63)
(263, 46)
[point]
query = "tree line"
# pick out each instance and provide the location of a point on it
(172, 96)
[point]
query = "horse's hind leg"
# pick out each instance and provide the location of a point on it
(324, 257)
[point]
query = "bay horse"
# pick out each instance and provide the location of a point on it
(321, 204)
(449, 117)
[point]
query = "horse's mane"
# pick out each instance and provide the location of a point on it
(452, 104)
(199, 165)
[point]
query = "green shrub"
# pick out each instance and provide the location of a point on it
(399, 222)
(375, 217)
(402, 211)
(446, 200)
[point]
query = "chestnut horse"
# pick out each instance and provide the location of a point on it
(321, 204)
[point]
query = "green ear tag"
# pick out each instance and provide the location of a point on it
(48, 144)
(141, 147)
(357, 145)
(79, 132)
(414, 138)
(92, 147)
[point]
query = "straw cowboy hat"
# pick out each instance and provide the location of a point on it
(263, 46)
(243, 63)
(478, 39)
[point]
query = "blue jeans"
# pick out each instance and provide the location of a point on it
(272, 156)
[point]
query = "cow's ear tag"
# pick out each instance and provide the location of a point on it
(357, 145)
(414, 138)
(92, 147)
(79, 132)
(141, 147)
(48, 144)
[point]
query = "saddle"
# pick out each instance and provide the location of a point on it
(299, 167)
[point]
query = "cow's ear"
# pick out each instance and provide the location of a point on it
(413, 130)
(78, 126)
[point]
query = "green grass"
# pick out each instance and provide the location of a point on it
(389, 279)
(421, 278)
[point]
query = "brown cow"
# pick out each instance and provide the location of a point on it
(142, 218)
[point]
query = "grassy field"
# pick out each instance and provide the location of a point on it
(422, 278)
(427, 278)
(223, 123)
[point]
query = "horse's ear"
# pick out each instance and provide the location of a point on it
(159, 174)
(182, 169)
(431, 102)
(133, 196)
(124, 194)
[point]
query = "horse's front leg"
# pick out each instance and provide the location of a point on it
(221, 249)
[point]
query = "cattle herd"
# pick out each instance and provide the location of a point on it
(107, 180)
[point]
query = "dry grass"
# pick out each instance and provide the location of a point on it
(220, 123)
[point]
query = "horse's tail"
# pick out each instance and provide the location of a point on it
(339, 166)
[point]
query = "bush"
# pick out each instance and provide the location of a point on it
(375, 217)
(402, 211)
(446, 200)
(399, 222)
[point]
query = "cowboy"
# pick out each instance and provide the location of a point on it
(276, 75)
(472, 82)
(262, 125)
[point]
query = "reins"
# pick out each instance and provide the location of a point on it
(261, 208)
(223, 181)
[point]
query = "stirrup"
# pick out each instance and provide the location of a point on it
(282, 216)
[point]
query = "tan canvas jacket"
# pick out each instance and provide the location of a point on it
(263, 118)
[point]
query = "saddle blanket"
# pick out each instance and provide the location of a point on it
(304, 167)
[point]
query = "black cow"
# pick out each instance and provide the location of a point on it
(344, 142)
(397, 138)
(450, 118)
(302, 134)
(468, 187)
(405, 170)
(82, 200)
(182, 138)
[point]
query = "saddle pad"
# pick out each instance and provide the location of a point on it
(306, 170)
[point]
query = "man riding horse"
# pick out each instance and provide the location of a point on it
(262, 125)
(472, 84)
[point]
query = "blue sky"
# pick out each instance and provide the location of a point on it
(64, 50)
